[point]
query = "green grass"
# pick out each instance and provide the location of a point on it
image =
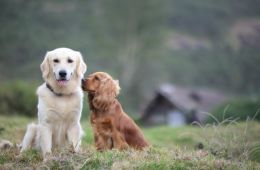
(228, 146)
(171, 137)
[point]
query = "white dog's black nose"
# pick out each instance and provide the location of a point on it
(63, 73)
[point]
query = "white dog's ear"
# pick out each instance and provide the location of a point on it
(81, 66)
(45, 66)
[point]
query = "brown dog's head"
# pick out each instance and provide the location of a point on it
(104, 89)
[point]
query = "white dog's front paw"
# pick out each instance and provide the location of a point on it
(47, 156)
(75, 148)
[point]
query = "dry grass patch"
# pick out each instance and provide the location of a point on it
(223, 146)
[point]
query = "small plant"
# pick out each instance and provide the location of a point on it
(254, 153)
(231, 140)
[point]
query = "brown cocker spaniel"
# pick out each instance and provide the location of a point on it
(112, 127)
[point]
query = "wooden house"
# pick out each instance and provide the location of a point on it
(176, 106)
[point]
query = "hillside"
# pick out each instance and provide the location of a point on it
(230, 146)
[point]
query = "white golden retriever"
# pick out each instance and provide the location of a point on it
(59, 103)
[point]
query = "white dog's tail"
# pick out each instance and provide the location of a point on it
(5, 144)
(29, 137)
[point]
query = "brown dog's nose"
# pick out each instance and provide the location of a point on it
(83, 83)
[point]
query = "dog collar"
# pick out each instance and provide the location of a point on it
(51, 89)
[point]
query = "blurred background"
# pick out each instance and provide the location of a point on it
(176, 60)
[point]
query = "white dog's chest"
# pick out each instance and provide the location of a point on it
(57, 110)
(63, 110)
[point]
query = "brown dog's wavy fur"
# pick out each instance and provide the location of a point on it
(112, 127)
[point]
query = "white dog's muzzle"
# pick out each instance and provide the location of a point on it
(62, 77)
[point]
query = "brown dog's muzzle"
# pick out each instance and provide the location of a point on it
(83, 84)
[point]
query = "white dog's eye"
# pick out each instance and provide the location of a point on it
(96, 78)
(70, 60)
(56, 61)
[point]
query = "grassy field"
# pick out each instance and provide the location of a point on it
(230, 145)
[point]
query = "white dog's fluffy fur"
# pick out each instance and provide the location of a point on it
(60, 106)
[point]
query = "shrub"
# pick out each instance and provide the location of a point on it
(18, 97)
(239, 109)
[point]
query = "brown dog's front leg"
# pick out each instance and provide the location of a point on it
(119, 141)
(100, 143)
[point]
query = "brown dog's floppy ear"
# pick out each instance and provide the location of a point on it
(45, 66)
(106, 94)
(81, 66)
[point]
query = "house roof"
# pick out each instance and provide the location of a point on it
(200, 99)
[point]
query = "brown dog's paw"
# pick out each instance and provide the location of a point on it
(123, 146)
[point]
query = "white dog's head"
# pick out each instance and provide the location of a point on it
(62, 68)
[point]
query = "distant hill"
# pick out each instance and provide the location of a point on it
(142, 43)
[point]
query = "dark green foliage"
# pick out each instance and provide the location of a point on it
(239, 108)
(85, 110)
(130, 40)
(18, 97)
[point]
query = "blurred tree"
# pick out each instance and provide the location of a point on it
(127, 30)
(132, 40)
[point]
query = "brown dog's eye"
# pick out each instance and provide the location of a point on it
(56, 61)
(70, 60)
